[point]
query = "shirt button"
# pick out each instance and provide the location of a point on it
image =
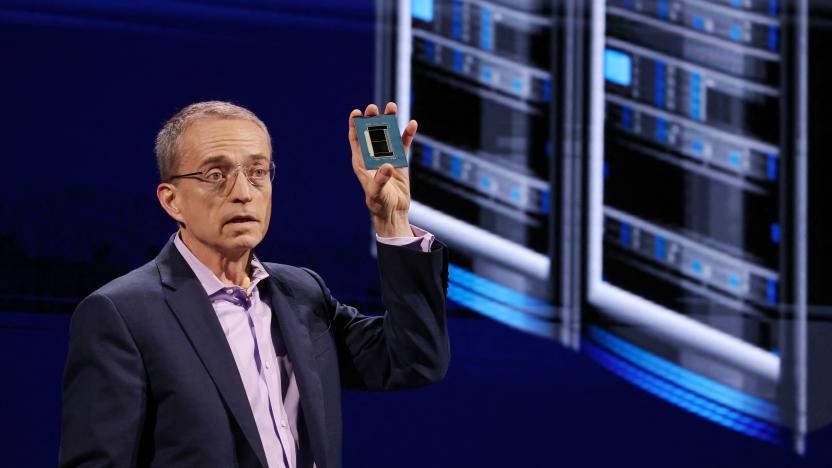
(283, 423)
(268, 365)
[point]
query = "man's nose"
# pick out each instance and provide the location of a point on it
(239, 189)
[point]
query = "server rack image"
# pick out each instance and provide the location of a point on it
(699, 227)
(489, 166)
(640, 179)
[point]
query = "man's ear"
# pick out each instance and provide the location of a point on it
(166, 193)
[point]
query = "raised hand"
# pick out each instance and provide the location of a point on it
(386, 190)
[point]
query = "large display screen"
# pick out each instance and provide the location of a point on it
(648, 156)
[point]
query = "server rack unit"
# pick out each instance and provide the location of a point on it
(491, 170)
(699, 124)
(698, 223)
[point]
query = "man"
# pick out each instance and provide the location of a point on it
(209, 357)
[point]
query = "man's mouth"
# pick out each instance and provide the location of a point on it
(239, 219)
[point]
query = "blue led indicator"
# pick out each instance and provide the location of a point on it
(773, 38)
(734, 158)
(733, 281)
(660, 80)
(697, 147)
(545, 203)
(695, 96)
(627, 117)
(485, 29)
(775, 233)
(547, 91)
(430, 50)
(661, 130)
(427, 156)
(625, 234)
(456, 19)
(422, 10)
(736, 32)
(549, 148)
(486, 73)
(698, 22)
(517, 85)
(456, 166)
(516, 194)
(659, 248)
(457, 61)
(485, 182)
(773, 7)
(696, 267)
(771, 291)
(618, 67)
(662, 9)
(606, 170)
(772, 166)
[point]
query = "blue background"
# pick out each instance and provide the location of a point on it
(86, 86)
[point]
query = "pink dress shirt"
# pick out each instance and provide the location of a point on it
(265, 369)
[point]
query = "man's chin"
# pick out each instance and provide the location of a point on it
(243, 239)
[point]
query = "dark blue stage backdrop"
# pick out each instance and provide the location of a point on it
(85, 86)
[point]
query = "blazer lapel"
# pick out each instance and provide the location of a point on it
(295, 336)
(189, 303)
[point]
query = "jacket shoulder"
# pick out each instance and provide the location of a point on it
(133, 285)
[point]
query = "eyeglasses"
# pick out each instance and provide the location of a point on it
(257, 175)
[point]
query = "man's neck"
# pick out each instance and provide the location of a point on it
(229, 267)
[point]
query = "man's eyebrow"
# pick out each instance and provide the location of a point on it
(223, 158)
(214, 159)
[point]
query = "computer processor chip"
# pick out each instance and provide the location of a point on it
(380, 142)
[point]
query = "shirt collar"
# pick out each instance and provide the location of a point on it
(208, 279)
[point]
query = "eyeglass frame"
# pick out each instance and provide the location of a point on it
(199, 175)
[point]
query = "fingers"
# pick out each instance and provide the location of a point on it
(352, 134)
(357, 159)
(371, 110)
(384, 173)
(353, 114)
(408, 134)
(391, 108)
(382, 176)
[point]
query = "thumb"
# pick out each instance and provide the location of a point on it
(384, 173)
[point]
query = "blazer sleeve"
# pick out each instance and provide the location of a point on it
(104, 389)
(408, 346)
